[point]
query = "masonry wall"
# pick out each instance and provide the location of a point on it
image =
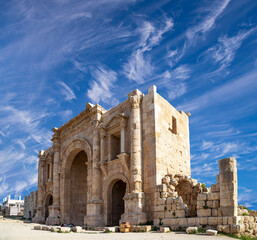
(149, 153)
(30, 203)
(172, 140)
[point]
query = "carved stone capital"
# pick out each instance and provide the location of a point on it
(135, 101)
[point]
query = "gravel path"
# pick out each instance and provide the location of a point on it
(17, 230)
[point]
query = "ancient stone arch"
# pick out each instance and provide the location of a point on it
(48, 201)
(71, 150)
(77, 147)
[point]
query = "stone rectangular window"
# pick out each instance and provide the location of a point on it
(174, 125)
(115, 146)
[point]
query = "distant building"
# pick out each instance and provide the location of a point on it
(13, 207)
(30, 203)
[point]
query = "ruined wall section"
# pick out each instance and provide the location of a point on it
(30, 203)
(172, 140)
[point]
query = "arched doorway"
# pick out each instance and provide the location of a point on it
(78, 189)
(117, 202)
(48, 202)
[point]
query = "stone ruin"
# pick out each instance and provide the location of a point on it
(132, 164)
(182, 202)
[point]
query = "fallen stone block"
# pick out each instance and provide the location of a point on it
(164, 229)
(211, 232)
(37, 227)
(65, 229)
(45, 228)
(76, 229)
(55, 229)
(191, 230)
(109, 229)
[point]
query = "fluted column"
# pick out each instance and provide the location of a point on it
(136, 151)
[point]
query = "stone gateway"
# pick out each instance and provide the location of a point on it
(132, 164)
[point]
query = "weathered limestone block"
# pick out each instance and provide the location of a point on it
(216, 203)
(45, 228)
(65, 229)
(191, 230)
(209, 204)
(76, 229)
(200, 204)
(212, 221)
(232, 220)
(164, 229)
(215, 188)
(159, 208)
(223, 228)
(37, 227)
(214, 212)
(191, 221)
(180, 213)
(183, 221)
(159, 215)
(55, 229)
(214, 196)
(204, 212)
(203, 220)
(160, 201)
(202, 197)
(170, 221)
(211, 232)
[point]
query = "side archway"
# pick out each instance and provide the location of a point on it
(116, 187)
(48, 201)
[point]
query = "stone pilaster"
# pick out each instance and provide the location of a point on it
(54, 211)
(94, 210)
(228, 186)
(102, 144)
(39, 218)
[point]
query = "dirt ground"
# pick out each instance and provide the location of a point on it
(18, 230)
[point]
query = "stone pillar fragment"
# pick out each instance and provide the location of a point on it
(228, 186)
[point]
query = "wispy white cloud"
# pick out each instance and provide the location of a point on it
(67, 92)
(224, 51)
(208, 22)
(102, 85)
(174, 81)
(139, 66)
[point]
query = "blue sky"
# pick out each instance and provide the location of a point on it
(57, 55)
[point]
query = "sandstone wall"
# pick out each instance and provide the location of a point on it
(149, 151)
(172, 140)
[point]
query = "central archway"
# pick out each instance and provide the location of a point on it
(78, 189)
(116, 204)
